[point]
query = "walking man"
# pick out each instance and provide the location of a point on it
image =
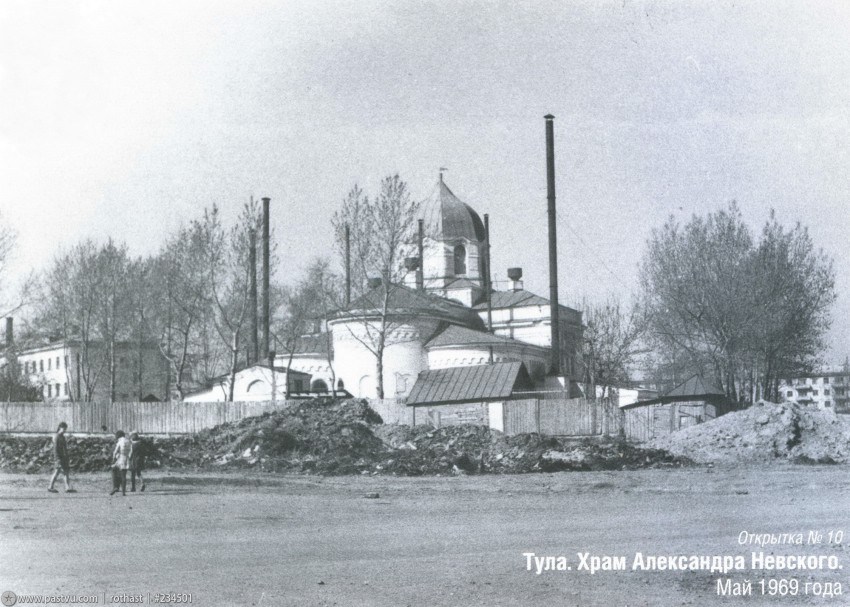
(61, 463)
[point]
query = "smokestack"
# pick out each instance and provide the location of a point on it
(488, 288)
(252, 261)
(515, 275)
(347, 265)
(266, 344)
(555, 366)
(420, 273)
(10, 334)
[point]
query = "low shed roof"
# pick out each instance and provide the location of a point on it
(471, 384)
(695, 388)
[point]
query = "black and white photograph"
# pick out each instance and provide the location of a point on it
(403, 303)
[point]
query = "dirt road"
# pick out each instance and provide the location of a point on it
(264, 540)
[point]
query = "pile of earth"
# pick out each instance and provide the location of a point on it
(331, 437)
(86, 454)
(764, 432)
(347, 437)
(478, 449)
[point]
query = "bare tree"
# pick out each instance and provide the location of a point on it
(611, 344)
(305, 307)
(26, 292)
(71, 308)
(182, 316)
(115, 303)
(746, 313)
(382, 231)
(228, 276)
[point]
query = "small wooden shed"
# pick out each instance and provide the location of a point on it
(693, 402)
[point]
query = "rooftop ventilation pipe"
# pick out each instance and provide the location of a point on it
(515, 275)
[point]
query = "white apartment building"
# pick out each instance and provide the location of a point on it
(825, 390)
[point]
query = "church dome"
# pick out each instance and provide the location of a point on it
(447, 217)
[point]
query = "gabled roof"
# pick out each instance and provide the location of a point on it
(461, 283)
(447, 217)
(453, 335)
(513, 299)
(694, 388)
(469, 384)
(406, 301)
(518, 299)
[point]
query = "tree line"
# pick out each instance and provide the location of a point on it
(746, 308)
(191, 301)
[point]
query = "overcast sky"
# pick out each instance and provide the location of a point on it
(125, 119)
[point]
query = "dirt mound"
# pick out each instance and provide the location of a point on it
(324, 436)
(86, 454)
(764, 432)
(478, 449)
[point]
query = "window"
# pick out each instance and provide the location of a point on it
(815, 392)
(828, 404)
(460, 260)
(57, 362)
(49, 360)
(826, 380)
(41, 366)
(49, 391)
(57, 390)
(298, 385)
(826, 392)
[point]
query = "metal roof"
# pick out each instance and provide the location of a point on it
(469, 384)
(447, 217)
(454, 335)
(695, 388)
(518, 299)
(406, 301)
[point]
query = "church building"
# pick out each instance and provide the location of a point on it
(442, 318)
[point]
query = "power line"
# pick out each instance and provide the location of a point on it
(596, 257)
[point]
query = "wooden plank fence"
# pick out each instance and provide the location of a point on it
(149, 418)
(546, 414)
(559, 416)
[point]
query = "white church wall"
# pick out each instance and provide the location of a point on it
(463, 357)
(404, 357)
(317, 366)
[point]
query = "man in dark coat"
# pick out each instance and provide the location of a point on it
(61, 463)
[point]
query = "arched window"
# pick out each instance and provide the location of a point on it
(318, 385)
(460, 260)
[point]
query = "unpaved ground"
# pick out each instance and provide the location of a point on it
(267, 540)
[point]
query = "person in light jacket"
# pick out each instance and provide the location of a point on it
(120, 463)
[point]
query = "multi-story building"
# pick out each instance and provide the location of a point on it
(828, 389)
(67, 370)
